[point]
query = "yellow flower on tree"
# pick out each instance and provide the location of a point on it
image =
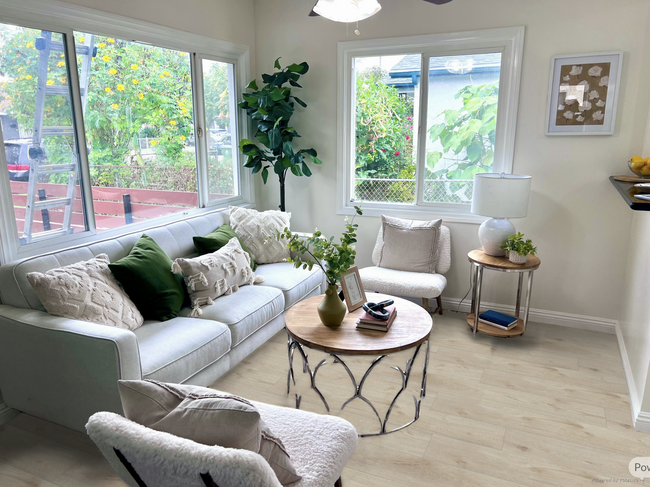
(112, 71)
(140, 96)
(29, 76)
(106, 58)
(181, 104)
(135, 81)
(107, 89)
(111, 40)
(134, 66)
(62, 55)
(30, 44)
(162, 76)
(82, 39)
(101, 44)
(167, 73)
(49, 82)
(120, 87)
(60, 64)
(114, 106)
(182, 137)
(153, 142)
(172, 122)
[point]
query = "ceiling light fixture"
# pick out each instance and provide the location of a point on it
(347, 10)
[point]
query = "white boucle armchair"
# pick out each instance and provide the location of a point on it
(319, 447)
(410, 284)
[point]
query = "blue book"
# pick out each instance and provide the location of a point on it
(498, 319)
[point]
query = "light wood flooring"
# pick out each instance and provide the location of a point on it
(547, 409)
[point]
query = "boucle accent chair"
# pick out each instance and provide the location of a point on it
(319, 447)
(410, 284)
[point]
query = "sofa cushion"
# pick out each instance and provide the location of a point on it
(86, 291)
(175, 350)
(245, 311)
(402, 283)
(410, 245)
(146, 275)
(294, 283)
(212, 275)
(217, 239)
(257, 231)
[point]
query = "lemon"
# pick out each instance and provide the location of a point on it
(645, 170)
(637, 165)
(646, 160)
(637, 159)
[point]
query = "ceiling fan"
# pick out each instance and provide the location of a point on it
(352, 10)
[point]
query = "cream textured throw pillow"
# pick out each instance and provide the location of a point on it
(206, 416)
(257, 232)
(410, 245)
(86, 291)
(212, 275)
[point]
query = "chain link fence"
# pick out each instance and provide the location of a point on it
(458, 191)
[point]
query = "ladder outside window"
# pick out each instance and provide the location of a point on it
(38, 158)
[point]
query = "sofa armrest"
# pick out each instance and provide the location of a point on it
(63, 370)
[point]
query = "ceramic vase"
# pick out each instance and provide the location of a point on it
(331, 309)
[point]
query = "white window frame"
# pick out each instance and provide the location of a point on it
(67, 18)
(508, 41)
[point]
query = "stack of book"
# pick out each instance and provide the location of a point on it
(498, 320)
(367, 322)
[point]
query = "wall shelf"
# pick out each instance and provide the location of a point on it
(627, 191)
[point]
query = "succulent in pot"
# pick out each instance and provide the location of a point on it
(518, 249)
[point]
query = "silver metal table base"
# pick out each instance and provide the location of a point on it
(358, 386)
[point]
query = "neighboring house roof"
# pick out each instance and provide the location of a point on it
(407, 70)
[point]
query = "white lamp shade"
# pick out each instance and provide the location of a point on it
(501, 195)
(347, 10)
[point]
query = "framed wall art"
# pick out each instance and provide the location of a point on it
(583, 94)
(353, 291)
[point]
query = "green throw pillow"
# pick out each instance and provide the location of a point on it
(217, 239)
(146, 275)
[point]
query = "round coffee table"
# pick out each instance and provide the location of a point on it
(410, 329)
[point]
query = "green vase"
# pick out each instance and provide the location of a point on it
(331, 309)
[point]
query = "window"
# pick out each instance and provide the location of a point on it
(104, 134)
(421, 116)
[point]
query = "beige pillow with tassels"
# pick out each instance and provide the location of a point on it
(212, 275)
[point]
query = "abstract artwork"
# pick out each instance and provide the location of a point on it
(584, 94)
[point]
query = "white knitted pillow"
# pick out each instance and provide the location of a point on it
(257, 231)
(212, 275)
(86, 291)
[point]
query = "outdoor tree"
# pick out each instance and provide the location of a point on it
(384, 123)
(135, 91)
(466, 136)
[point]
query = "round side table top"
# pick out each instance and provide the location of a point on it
(479, 257)
(411, 327)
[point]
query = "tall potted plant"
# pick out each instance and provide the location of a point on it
(271, 109)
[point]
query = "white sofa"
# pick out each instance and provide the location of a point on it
(65, 370)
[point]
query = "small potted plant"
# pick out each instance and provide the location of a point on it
(518, 249)
(335, 259)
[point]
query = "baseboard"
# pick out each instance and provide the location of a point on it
(570, 320)
(7, 413)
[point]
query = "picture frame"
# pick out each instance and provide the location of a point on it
(352, 288)
(583, 94)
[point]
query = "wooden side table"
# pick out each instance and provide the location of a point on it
(480, 261)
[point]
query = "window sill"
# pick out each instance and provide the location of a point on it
(415, 213)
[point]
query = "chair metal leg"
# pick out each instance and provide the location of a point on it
(339, 483)
(425, 304)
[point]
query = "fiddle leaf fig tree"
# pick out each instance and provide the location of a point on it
(271, 109)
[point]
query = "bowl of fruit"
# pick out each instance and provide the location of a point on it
(640, 166)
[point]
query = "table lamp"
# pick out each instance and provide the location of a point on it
(499, 196)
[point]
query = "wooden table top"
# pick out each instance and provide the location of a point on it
(411, 327)
(480, 257)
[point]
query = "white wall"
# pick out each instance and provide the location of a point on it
(578, 221)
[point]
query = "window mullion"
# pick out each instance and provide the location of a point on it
(201, 138)
(422, 130)
(80, 131)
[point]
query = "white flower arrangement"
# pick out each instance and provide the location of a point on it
(576, 71)
(595, 71)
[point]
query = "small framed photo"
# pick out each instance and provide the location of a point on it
(353, 291)
(583, 94)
